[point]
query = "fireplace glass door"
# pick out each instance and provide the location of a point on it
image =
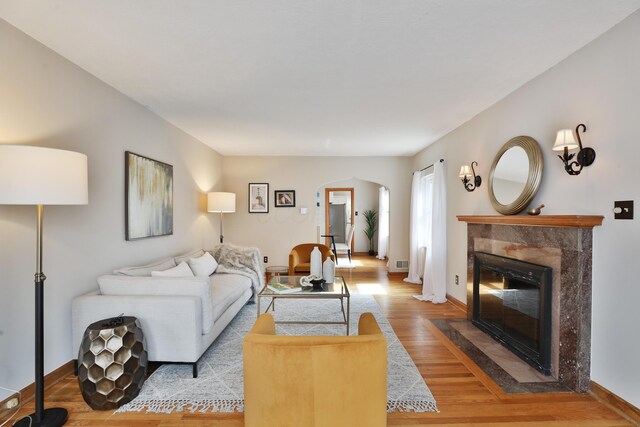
(512, 303)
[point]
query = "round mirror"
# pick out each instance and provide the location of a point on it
(515, 175)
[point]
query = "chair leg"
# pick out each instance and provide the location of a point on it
(195, 370)
(349, 255)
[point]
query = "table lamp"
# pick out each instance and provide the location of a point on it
(41, 176)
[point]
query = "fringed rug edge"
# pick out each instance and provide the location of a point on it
(237, 405)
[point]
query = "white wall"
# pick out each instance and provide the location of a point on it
(598, 86)
(365, 196)
(45, 100)
(276, 232)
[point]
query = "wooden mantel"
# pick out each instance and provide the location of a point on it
(569, 221)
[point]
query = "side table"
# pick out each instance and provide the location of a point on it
(112, 362)
(275, 270)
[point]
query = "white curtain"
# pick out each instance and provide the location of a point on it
(419, 225)
(434, 286)
(383, 222)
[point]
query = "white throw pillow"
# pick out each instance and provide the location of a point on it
(204, 265)
(182, 270)
(185, 257)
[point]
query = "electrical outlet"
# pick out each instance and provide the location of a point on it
(266, 259)
(457, 280)
(12, 403)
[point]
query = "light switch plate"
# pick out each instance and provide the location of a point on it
(626, 209)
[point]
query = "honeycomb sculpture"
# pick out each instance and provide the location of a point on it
(112, 362)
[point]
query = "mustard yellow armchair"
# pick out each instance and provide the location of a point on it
(300, 258)
(315, 381)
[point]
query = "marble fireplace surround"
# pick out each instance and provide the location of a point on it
(564, 243)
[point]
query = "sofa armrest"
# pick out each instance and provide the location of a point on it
(172, 325)
(200, 287)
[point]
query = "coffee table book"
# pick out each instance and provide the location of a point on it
(283, 288)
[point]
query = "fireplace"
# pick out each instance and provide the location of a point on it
(512, 303)
(564, 243)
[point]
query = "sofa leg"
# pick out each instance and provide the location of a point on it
(195, 370)
(349, 254)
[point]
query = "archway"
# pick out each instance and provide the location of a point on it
(352, 196)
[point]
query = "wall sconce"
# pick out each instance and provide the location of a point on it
(565, 142)
(469, 178)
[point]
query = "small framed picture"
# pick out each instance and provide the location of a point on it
(258, 198)
(285, 198)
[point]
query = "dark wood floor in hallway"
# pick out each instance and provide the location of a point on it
(464, 394)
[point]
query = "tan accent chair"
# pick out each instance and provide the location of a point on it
(315, 381)
(300, 258)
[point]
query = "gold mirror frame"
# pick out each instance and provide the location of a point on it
(536, 164)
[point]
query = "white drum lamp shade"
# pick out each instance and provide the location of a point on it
(221, 202)
(42, 176)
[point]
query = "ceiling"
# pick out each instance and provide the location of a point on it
(316, 77)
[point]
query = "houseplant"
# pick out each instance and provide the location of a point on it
(370, 218)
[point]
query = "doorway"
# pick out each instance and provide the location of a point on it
(338, 214)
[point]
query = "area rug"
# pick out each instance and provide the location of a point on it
(219, 386)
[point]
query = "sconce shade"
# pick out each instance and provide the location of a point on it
(42, 176)
(221, 202)
(565, 138)
(465, 171)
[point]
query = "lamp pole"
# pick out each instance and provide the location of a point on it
(52, 417)
(221, 236)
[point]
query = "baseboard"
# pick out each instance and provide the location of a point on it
(401, 274)
(462, 306)
(616, 403)
(28, 393)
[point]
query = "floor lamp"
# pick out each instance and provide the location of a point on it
(223, 203)
(41, 176)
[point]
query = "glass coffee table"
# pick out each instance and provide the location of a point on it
(337, 290)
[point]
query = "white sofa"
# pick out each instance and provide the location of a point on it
(180, 316)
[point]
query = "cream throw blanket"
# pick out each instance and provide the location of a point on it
(241, 260)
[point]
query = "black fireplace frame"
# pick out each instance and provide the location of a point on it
(534, 274)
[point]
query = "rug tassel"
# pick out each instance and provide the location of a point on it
(169, 406)
(237, 405)
(411, 405)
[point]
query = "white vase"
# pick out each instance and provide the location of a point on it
(316, 262)
(329, 270)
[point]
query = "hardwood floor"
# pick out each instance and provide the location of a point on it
(464, 394)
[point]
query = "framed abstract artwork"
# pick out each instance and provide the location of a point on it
(148, 197)
(258, 198)
(285, 198)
